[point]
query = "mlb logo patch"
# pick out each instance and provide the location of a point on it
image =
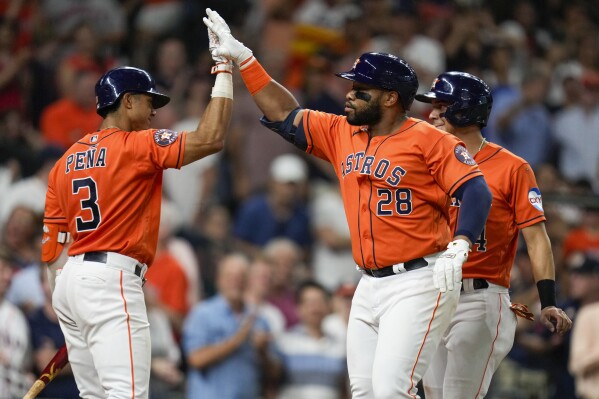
(534, 197)
(164, 137)
(94, 138)
(462, 154)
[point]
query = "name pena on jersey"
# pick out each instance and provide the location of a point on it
(92, 158)
(364, 165)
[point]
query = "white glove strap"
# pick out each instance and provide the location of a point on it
(223, 85)
(226, 67)
(459, 244)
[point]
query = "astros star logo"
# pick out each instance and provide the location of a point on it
(164, 137)
(462, 154)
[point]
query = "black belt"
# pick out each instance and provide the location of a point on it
(102, 257)
(388, 270)
(478, 284)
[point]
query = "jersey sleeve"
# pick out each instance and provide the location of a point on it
(164, 148)
(53, 213)
(526, 197)
(321, 130)
(450, 163)
(55, 231)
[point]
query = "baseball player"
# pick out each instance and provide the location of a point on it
(396, 175)
(482, 330)
(106, 192)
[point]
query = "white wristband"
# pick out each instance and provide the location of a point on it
(223, 85)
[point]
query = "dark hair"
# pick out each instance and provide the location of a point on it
(307, 284)
(104, 112)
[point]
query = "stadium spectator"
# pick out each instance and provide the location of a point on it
(287, 272)
(313, 362)
(258, 288)
(281, 212)
(46, 339)
(66, 120)
(15, 351)
(584, 352)
(226, 345)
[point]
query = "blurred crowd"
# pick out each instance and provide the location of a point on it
(252, 282)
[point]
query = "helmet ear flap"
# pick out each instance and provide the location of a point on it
(461, 116)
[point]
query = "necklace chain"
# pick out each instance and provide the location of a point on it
(482, 143)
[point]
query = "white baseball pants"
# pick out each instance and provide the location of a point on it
(103, 317)
(395, 326)
(479, 337)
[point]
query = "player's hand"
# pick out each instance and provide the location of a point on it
(228, 46)
(222, 63)
(556, 320)
(447, 273)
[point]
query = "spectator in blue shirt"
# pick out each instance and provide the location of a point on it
(280, 212)
(522, 122)
(225, 343)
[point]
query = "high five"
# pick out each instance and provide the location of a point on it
(397, 175)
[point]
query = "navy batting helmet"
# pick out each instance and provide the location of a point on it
(469, 98)
(118, 81)
(387, 72)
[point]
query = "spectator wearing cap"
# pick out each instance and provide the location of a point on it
(280, 212)
(584, 349)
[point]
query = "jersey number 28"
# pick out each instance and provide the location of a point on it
(90, 203)
(403, 201)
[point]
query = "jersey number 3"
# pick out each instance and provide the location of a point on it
(90, 203)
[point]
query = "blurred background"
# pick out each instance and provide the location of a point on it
(262, 224)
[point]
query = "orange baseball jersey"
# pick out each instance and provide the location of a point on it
(516, 204)
(396, 188)
(108, 188)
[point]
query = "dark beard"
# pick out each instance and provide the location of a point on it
(370, 115)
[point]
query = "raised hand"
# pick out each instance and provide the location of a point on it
(222, 63)
(225, 44)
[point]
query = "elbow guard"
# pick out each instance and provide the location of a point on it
(287, 130)
(53, 241)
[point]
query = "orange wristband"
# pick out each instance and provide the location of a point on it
(255, 77)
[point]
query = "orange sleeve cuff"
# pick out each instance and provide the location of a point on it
(53, 241)
(254, 76)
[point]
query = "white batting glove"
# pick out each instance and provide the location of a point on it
(222, 63)
(227, 45)
(447, 273)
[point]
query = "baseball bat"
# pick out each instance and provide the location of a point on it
(60, 359)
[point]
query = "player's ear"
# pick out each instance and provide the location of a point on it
(391, 98)
(127, 100)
